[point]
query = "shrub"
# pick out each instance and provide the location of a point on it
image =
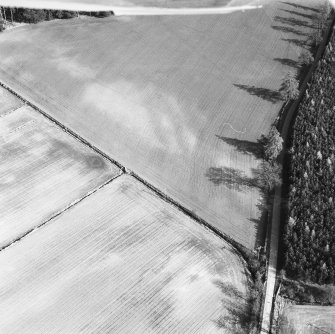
(268, 176)
(273, 145)
(306, 58)
(290, 87)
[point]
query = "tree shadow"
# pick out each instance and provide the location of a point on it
(288, 62)
(306, 16)
(229, 290)
(290, 30)
(231, 178)
(293, 21)
(237, 319)
(264, 93)
(244, 146)
(260, 223)
(297, 42)
(301, 7)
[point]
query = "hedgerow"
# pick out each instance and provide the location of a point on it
(310, 232)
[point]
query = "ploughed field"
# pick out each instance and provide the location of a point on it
(308, 319)
(181, 101)
(42, 171)
(120, 261)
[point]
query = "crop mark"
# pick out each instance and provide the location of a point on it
(244, 131)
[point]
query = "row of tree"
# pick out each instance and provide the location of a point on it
(37, 15)
(310, 232)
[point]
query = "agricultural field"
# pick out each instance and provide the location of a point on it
(8, 102)
(42, 171)
(305, 319)
(181, 101)
(122, 260)
(106, 4)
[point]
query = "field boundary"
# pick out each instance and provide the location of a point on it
(69, 206)
(285, 123)
(236, 247)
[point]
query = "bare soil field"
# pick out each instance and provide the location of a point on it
(122, 261)
(8, 102)
(42, 171)
(181, 101)
(305, 319)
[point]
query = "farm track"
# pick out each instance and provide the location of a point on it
(285, 127)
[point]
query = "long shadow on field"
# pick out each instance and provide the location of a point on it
(244, 146)
(230, 177)
(290, 30)
(306, 16)
(237, 319)
(288, 62)
(261, 222)
(293, 21)
(298, 42)
(301, 6)
(264, 93)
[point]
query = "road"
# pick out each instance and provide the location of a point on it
(285, 129)
(273, 257)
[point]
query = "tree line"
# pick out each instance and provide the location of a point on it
(27, 15)
(309, 236)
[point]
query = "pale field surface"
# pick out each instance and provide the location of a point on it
(42, 171)
(121, 261)
(91, 5)
(8, 102)
(181, 101)
(306, 319)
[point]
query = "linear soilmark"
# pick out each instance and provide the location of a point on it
(234, 244)
(69, 206)
(10, 111)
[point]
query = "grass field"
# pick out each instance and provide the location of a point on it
(42, 171)
(8, 102)
(122, 261)
(179, 100)
(302, 319)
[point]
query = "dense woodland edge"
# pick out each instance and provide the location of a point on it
(309, 238)
(26, 15)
